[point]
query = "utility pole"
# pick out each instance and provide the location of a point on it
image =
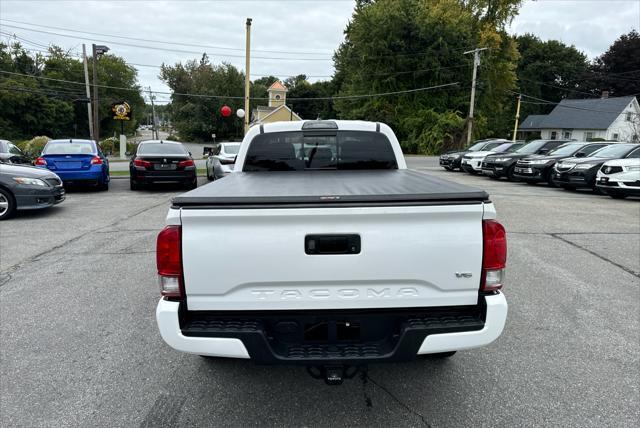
(97, 50)
(96, 115)
(476, 63)
(154, 129)
(515, 128)
(247, 78)
(88, 90)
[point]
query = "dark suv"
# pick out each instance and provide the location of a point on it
(503, 165)
(537, 168)
(580, 173)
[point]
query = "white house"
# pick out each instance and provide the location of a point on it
(615, 119)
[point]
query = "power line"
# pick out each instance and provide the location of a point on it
(328, 58)
(165, 41)
(339, 97)
(114, 42)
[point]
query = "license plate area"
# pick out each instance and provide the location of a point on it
(165, 166)
(331, 244)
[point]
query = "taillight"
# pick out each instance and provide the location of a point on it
(96, 161)
(169, 261)
(188, 162)
(143, 163)
(41, 161)
(494, 255)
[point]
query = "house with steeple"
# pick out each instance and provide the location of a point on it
(277, 110)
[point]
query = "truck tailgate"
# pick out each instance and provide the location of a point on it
(257, 258)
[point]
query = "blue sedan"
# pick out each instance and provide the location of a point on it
(76, 162)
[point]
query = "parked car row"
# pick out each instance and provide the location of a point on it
(608, 167)
(76, 161)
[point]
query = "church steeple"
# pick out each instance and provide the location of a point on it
(277, 94)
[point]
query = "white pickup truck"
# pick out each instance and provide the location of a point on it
(322, 249)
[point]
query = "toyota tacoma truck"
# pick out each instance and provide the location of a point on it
(322, 249)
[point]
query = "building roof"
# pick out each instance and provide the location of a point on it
(585, 114)
(277, 86)
(532, 122)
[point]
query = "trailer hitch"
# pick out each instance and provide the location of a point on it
(333, 374)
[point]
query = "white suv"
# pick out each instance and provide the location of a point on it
(620, 178)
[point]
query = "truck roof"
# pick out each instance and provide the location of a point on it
(329, 187)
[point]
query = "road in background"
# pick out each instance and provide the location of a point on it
(79, 343)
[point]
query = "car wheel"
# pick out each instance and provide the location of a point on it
(531, 182)
(7, 204)
(617, 195)
(209, 177)
(191, 184)
(550, 181)
(510, 173)
(103, 186)
(133, 185)
(570, 188)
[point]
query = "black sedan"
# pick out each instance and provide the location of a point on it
(27, 188)
(580, 173)
(10, 153)
(503, 165)
(158, 161)
(539, 168)
(453, 160)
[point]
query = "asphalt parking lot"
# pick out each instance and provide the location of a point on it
(79, 344)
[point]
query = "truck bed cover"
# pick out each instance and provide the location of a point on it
(323, 187)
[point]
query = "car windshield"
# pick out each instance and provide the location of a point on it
(502, 148)
(476, 147)
(566, 149)
(69, 148)
(231, 149)
(489, 146)
(531, 147)
(161, 149)
(613, 151)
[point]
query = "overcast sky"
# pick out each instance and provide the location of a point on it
(288, 37)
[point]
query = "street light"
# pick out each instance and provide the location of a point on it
(98, 50)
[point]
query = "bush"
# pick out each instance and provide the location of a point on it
(34, 146)
(172, 137)
(111, 146)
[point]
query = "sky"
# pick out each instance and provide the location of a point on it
(289, 37)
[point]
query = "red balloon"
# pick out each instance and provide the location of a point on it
(225, 111)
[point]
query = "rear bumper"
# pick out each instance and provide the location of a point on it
(93, 175)
(147, 177)
(254, 336)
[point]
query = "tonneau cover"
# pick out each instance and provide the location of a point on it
(323, 187)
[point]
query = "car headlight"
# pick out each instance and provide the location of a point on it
(633, 168)
(501, 159)
(539, 162)
(29, 181)
(586, 165)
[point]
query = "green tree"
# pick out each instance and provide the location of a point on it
(397, 45)
(551, 71)
(43, 96)
(618, 69)
(196, 117)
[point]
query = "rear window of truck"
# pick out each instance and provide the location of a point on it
(339, 150)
